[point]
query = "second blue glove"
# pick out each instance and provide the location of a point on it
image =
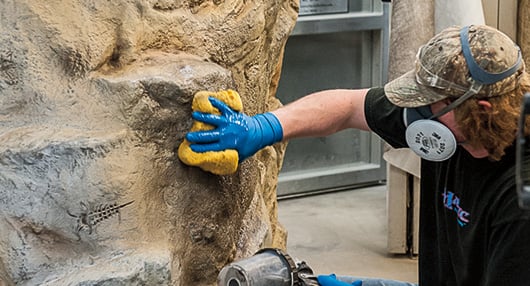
(235, 130)
(331, 280)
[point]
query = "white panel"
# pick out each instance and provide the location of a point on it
(457, 12)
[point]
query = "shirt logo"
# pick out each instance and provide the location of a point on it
(452, 202)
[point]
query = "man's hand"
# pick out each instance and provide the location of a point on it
(331, 280)
(235, 130)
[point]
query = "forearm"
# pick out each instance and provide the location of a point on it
(323, 113)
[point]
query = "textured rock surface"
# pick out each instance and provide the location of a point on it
(95, 99)
(413, 21)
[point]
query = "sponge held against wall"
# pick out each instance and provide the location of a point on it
(219, 162)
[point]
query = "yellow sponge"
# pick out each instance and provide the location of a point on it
(219, 162)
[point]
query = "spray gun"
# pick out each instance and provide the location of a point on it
(522, 166)
(268, 267)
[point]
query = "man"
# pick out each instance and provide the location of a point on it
(458, 109)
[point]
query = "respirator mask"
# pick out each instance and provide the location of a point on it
(428, 138)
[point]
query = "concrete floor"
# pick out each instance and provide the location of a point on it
(344, 233)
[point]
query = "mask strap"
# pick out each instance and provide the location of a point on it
(473, 89)
(478, 73)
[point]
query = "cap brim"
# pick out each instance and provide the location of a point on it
(404, 91)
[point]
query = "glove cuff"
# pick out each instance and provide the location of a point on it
(271, 128)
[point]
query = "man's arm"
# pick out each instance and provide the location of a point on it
(315, 115)
(323, 113)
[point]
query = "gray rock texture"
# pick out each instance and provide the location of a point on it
(95, 97)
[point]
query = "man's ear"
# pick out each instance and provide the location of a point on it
(485, 104)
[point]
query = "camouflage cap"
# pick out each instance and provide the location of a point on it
(442, 72)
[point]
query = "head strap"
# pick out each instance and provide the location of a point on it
(479, 74)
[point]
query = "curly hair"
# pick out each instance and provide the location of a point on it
(494, 129)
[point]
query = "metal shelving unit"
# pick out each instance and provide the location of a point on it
(347, 49)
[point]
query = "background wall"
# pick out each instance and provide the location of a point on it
(523, 29)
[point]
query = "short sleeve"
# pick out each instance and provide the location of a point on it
(384, 118)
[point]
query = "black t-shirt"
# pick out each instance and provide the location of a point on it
(472, 231)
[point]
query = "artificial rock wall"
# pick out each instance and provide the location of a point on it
(95, 97)
(412, 26)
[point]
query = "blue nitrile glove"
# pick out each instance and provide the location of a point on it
(235, 130)
(331, 280)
